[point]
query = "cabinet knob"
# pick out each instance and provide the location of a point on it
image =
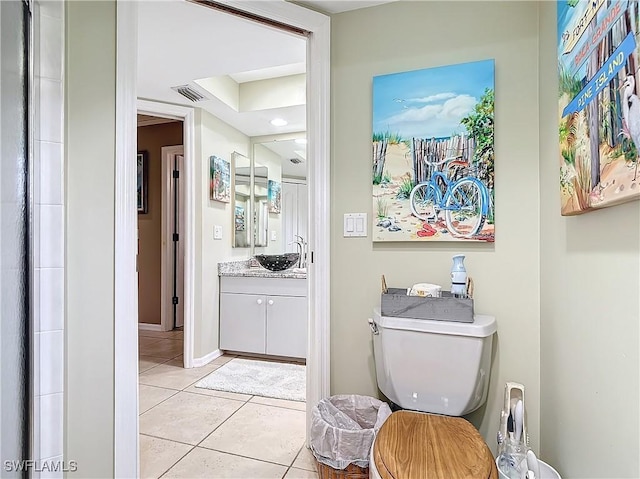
(270, 302)
(259, 301)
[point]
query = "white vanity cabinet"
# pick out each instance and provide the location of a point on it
(264, 315)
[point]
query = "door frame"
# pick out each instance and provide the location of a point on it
(187, 116)
(166, 288)
(126, 448)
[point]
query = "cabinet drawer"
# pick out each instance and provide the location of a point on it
(266, 286)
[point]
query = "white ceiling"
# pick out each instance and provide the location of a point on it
(179, 42)
(339, 6)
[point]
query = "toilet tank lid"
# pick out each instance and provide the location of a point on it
(481, 327)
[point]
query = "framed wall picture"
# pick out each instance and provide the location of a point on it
(275, 196)
(599, 106)
(239, 218)
(433, 154)
(143, 181)
(219, 180)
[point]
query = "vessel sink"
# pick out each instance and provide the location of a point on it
(277, 262)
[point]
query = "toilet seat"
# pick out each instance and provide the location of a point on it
(413, 445)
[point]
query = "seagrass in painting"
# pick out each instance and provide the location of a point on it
(599, 108)
(433, 154)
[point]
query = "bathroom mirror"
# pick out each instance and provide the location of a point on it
(285, 156)
(260, 205)
(241, 202)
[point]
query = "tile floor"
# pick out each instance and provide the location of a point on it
(188, 432)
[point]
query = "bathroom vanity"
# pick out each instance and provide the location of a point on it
(261, 311)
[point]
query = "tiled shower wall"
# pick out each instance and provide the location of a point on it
(48, 231)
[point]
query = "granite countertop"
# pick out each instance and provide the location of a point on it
(245, 268)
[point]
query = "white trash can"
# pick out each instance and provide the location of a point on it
(546, 471)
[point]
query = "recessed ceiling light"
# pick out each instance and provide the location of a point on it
(301, 141)
(278, 122)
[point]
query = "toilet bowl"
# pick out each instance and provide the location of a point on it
(438, 370)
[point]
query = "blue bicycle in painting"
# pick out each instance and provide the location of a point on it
(465, 201)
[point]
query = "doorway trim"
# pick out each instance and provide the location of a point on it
(126, 450)
(166, 290)
(187, 116)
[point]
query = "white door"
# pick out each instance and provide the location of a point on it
(289, 215)
(178, 254)
(303, 201)
(173, 221)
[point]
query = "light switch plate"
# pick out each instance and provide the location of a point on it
(273, 235)
(355, 224)
(217, 232)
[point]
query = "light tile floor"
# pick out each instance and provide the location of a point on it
(188, 432)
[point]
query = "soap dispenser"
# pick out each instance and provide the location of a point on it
(458, 277)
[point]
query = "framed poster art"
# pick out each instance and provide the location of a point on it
(142, 181)
(274, 195)
(219, 180)
(433, 154)
(599, 108)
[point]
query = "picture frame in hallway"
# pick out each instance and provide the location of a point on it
(143, 182)
(219, 180)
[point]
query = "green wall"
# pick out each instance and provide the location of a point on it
(405, 36)
(589, 318)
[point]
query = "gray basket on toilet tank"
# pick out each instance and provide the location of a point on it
(396, 303)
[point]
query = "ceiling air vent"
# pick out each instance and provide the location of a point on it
(295, 161)
(189, 93)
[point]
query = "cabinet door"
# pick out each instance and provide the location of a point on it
(287, 326)
(242, 322)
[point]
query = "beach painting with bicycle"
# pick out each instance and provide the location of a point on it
(599, 107)
(433, 154)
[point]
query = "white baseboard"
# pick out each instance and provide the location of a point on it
(199, 362)
(149, 327)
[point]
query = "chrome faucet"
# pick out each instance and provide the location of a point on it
(301, 245)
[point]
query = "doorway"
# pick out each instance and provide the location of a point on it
(160, 220)
(318, 128)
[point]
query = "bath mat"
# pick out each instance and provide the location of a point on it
(259, 378)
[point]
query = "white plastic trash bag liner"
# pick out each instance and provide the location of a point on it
(343, 428)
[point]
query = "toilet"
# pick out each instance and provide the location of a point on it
(435, 371)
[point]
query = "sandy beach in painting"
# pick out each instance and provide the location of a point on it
(387, 205)
(619, 176)
(618, 184)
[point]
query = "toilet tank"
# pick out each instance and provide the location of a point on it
(440, 367)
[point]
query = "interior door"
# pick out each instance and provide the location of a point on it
(289, 215)
(176, 241)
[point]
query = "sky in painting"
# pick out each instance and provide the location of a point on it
(567, 14)
(431, 102)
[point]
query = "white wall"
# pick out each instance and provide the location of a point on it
(90, 89)
(411, 35)
(590, 290)
(213, 137)
(273, 93)
(48, 234)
